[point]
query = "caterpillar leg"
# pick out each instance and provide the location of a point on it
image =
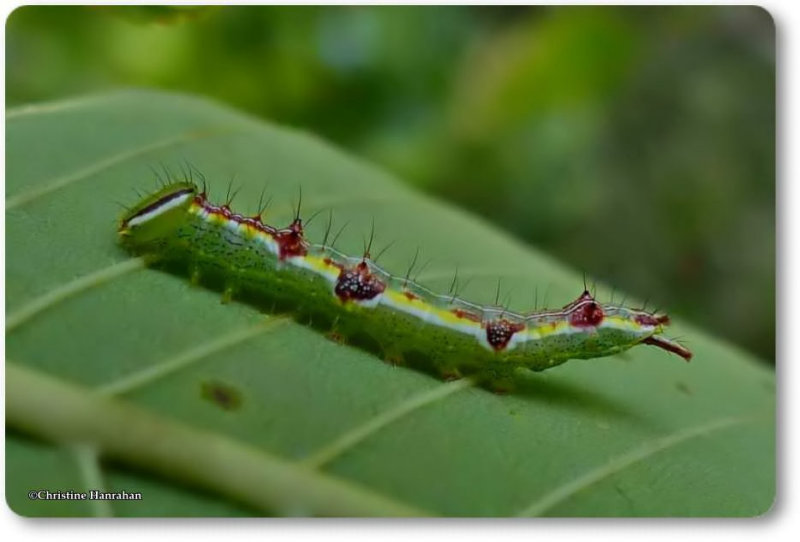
(498, 381)
(394, 358)
(336, 337)
(502, 386)
(227, 295)
(194, 276)
(449, 374)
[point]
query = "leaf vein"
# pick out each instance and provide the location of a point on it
(170, 365)
(622, 462)
(64, 413)
(89, 468)
(105, 163)
(42, 108)
(354, 436)
(69, 289)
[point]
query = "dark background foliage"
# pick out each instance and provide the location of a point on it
(637, 144)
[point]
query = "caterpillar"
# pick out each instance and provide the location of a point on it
(354, 300)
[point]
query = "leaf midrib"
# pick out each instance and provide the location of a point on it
(64, 413)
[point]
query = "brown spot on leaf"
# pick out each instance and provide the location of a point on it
(223, 395)
(683, 388)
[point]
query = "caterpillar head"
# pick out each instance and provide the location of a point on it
(157, 215)
(618, 328)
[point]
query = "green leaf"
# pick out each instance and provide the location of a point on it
(130, 379)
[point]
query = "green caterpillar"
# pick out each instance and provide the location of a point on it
(354, 299)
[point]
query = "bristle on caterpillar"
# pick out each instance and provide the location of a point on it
(352, 298)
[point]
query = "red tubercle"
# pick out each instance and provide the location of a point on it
(500, 331)
(410, 296)
(652, 319)
(291, 241)
(590, 314)
(584, 311)
(358, 284)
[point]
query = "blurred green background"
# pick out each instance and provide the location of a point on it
(637, 144)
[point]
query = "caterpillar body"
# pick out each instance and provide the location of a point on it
(352, 298)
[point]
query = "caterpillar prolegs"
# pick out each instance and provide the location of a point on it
(278, 269)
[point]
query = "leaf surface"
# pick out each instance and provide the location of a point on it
(636, 435)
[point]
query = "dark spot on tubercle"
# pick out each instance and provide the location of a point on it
(223, 395)
(291, 241)
(588, 314)
(499, 332)
(358, 284)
